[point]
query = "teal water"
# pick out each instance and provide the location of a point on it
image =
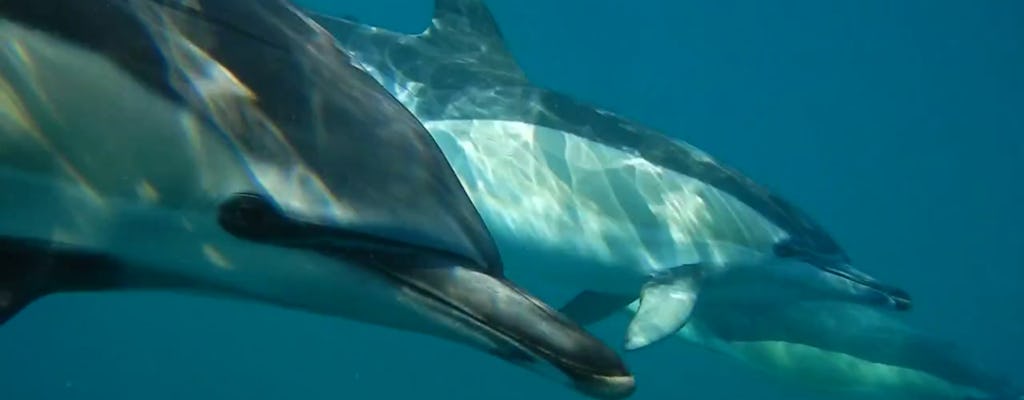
(899, 125)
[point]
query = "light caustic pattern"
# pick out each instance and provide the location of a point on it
(564, 191)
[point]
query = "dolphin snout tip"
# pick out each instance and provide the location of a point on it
(614, 387)
(901, 300)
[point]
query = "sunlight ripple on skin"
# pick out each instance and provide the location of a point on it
(512, 178)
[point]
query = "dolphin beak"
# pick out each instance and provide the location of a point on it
(900, 298)
(516, 326)
(896, 298)
(478, 308)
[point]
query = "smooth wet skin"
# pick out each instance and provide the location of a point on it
(230, 148)
(592, 200)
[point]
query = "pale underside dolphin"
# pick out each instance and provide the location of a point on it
(230, 148)
(844, 351)
(585, 197)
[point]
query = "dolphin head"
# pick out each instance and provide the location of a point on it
(457, 298)
(351, 174)
(334, 170)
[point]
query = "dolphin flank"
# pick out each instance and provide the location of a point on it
(231, 148)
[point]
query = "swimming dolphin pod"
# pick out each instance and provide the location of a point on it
(231, 148)
(600, 201)
(844, 351)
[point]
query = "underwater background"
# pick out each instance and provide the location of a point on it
(899, 125)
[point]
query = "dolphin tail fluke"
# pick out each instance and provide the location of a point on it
(31, 269)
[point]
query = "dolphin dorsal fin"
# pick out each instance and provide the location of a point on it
(467, 30)
(464, 18)
(461, 47)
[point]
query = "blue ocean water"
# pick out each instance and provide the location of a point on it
(899, 125)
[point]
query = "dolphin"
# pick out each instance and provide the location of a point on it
(844, 351)
(599, 201)
(230, 148)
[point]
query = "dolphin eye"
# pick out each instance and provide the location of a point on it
(250, 215)
(787, 250)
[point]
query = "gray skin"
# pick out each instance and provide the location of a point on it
(459, 69)
(230, 148)
(844, 350)
(601, 202)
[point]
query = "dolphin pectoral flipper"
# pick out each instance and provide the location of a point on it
(589, 307)
(666, 304)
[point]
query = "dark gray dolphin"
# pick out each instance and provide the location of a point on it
(599, 201)
(845, 350)
(230, 148)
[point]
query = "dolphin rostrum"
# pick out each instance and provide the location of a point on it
(600, 202)
(844, 351)
(231, 148)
